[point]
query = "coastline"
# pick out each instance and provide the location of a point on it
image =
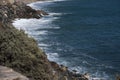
(60, 65)
(51, 70)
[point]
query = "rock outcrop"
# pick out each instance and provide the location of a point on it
(9, 74)
(18, 10)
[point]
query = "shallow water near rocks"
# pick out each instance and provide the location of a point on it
(81, 34)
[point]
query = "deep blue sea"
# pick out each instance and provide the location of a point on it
(81, 34)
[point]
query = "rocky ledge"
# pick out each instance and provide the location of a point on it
(9, 74)
(21, 53)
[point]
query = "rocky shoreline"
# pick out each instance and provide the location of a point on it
(21, 53)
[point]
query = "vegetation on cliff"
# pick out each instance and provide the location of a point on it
(21, 53)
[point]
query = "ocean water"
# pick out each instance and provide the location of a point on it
(81, 34)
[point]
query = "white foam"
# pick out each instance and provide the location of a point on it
(96, 78)
(91, 57)
(55, 14)
(42, 32)
(24, 23)
(59, 0)
(53, 56)
(85, 62)
(37, 33)
(41, 3)
(46, 2)
(43, 45)
(34, 24)
(79, 69)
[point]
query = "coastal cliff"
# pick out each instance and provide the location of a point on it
(20, 52)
